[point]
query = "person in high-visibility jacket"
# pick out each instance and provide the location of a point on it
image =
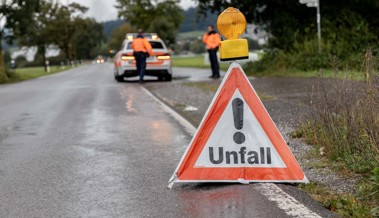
(141, 50)
(212, 42)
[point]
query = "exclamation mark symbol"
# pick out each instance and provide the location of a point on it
(237, 105)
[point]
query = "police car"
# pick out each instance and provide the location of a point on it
(158, 64)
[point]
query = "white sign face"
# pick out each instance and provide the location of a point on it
(311, 5)
(308, 1)
(248, 146)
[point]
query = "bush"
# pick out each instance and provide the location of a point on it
(253, 45)
(345, 119)
(3, 76)
(21, 61)
(53, 61)
(278, 60)
(344, 124)
(272, 60)
(345, 44)
(7, 57)
(57, 60)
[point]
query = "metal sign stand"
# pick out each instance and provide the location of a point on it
(315, 3)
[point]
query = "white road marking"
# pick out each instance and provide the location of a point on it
(290, 205)
(185, 123)
(190, 108)
(286, 202)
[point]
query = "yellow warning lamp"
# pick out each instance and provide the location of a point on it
(231, 23)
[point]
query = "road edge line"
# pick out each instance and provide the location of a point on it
(270, 190)
(286, 202)
(189, 127)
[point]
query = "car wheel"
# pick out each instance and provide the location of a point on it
(117, 77)
(168, 77)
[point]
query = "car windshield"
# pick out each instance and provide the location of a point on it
(154, 45)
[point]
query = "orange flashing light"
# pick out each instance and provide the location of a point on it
(232, 23)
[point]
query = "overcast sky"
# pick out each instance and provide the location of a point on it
(104, 10)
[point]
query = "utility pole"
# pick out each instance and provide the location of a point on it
(316, 4)
(319, 26)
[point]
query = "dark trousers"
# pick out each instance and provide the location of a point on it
(214, 62)
(140, 63)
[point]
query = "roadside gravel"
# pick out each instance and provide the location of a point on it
(286, 100)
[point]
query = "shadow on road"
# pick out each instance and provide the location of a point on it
(153, 80)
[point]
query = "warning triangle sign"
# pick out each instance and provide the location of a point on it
(237, 141)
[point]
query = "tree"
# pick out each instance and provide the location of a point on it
(289, 21)
(166, 21)
(136, 12)
(14, 20)
(89, 35)
(166, 30)
(118, 36)
(63, 29)
(284, 20)
(39, 31)
(61, 25)
(162, 17)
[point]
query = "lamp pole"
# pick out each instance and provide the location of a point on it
(319, 26)
(315, 3)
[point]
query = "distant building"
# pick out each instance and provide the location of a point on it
(30, 52)
(256, 33)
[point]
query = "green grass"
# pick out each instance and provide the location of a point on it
(346, 205)
(198, 62)
(191, 35)
(206, 86)
(354, 75)
(21, 74)
(194, 62)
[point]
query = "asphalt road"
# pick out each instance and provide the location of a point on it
(79, 144)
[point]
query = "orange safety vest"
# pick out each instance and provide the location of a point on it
(142, 45)
(212, 40)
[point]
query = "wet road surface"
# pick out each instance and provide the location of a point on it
(79, 144)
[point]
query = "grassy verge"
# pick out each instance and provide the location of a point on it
(191, 35)
(212, 87)
(206, 86)
(198, 62)
(21, 74)
(194, 62)
(343, 125)
(347, 205)
(354, 75)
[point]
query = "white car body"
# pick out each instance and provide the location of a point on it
(158, 64)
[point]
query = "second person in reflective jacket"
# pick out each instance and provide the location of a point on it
(212, 41)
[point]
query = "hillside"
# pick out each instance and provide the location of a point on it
(192, 22)
(109, 26)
